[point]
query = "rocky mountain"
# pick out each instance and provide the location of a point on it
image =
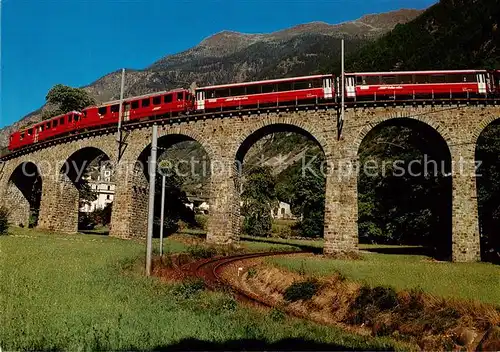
(234, 57)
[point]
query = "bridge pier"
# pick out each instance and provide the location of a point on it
(465, 226)
(59, 205)
(224, 219)
(18, 205)
(341, 209)
(129, 218)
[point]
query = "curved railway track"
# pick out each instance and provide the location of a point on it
(209, 270)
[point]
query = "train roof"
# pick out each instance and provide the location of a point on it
(413, 72)
(117, 101)
(264, 81)
(49, 119)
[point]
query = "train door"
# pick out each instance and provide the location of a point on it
(350, 87)
(200, 100)
(126, 111)
(35, 134)
(481, 83)
(327, 87)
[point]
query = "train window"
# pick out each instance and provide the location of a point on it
(30, 132)
(438, 79)
(145, 103)
(220, 93)
(284, 86)
(167, 98)
(75, 117)
(180, 96)
(405, 79)
(48, 125)
(300, 85)
(359, 80)
(421, 78)
(102, 110)
(371, 79)
(61, 121)
(253, 89)
(70, 118)
(54, 123)
(135, 104)
(388, 79)
(156, 100)
(235, 91)
(115, 108)
(268, 88)
(22, 136)
(316, 83)
(469, 78)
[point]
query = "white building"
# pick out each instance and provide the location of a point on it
(104, 189)
(282, 212)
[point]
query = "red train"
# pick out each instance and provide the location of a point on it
(360, 86)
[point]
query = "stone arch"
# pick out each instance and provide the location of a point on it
(440, 130)
(281, 122)
(247, 139)
(483, 125)
(138, 185)
(83, 171)
(488, 197)
(439, 150)
(23, 194)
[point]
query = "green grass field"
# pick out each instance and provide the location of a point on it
(477, 281)
(87, 292)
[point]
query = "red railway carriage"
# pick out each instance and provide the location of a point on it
(162, 103)
(417, 84)
(51, 128)
(264, 93)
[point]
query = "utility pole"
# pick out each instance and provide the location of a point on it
(342, 89)
(163, 180)
(120, 114)
(151, 207)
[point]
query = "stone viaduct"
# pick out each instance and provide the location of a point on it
(226, 139)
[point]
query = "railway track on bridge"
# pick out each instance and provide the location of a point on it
(174, 119)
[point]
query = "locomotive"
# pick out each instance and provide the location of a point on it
(360, 86)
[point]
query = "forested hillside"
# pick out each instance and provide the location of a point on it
(452, 34)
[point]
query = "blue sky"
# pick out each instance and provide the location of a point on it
(74, 42)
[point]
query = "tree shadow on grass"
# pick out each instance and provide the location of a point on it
(303, 247)
(410, 250)
(291, 344)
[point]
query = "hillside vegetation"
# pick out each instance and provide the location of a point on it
(453, 34)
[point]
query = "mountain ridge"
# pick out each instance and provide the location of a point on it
(297, 50)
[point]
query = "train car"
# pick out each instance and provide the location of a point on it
(172, 102)
(45, 130)
(417, 84)
(136, 108)
(265, 93)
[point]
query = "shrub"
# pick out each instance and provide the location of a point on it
(201, 221)
(381, 297)
(190, 287)
(304, 290)
(251, 272)
(277, 314)
(201, 252)
(4, 220)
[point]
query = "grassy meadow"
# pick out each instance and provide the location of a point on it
(477, 281)
(88, 292)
